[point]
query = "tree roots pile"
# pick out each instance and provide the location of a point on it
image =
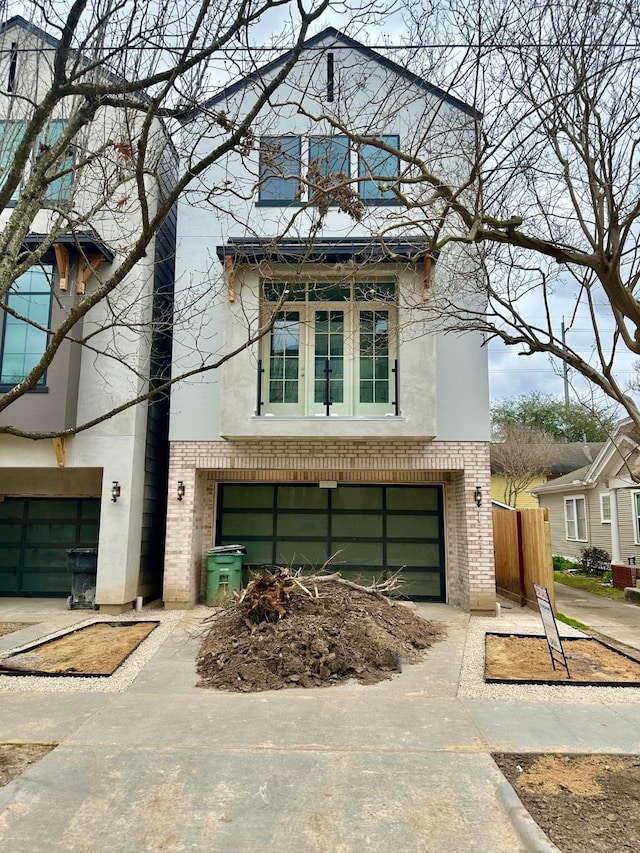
(287, 631)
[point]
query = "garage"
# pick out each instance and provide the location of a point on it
(35, 534)
(371, 528)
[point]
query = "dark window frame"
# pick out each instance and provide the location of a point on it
(41, 387)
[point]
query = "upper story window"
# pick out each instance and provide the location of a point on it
(11, 135)
(23, 344)
(331, 350)
(325, 161)
(381, 169)
(279, 168)
(331, 155)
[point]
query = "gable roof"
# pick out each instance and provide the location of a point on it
(566, 457)
(621, 445)
(19, 21)
(341, 41)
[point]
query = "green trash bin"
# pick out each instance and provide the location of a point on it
(224, 572)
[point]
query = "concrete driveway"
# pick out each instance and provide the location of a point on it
(617, 619)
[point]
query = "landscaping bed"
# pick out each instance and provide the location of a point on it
(521, 659)
(16, 757)
(96, 649)
(10, 627)
(582, 802)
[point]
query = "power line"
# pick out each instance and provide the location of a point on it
(333, 47)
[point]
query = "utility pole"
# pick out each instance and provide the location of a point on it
(565, 370)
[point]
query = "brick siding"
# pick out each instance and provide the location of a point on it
(458, 466)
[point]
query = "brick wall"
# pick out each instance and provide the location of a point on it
(459, 466)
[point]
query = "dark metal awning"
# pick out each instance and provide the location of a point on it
(86, 243)
(324, 250)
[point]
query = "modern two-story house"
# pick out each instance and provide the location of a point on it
(342, 424)
(104, 487)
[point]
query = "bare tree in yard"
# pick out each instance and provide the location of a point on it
(521, 454)
(85, 152)
(545, 203)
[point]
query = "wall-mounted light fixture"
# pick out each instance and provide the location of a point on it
(477, 496)
(181, 489)
(115, 491)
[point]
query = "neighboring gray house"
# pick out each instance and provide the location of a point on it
(57, 494)
(353, 428)
(598, 505)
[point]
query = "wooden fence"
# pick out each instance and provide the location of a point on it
(522, 550)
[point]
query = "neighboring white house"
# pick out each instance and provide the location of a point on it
(353, 429)
(56, 494)
(598, 505)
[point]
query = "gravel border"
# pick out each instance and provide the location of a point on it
(123, 676)
(525, 621)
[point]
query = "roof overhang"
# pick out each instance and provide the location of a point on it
(325, 250)
(85, 243)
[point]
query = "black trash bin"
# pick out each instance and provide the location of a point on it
(83, 565)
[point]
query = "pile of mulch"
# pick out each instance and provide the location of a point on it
(340, 635)
(582, 802)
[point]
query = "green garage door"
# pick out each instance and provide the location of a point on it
(376, 529)
(34, 536)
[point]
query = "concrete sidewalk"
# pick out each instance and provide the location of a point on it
(405, 764)
(617, 619)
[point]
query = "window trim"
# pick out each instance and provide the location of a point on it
(635, 515)
(572, 500)
(603, 518)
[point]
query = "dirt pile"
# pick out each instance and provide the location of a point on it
(320, 641)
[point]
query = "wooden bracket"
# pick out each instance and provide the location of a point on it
(62, 262)
(426, 278)
(59, 448)
(230, 274)
(87, 266)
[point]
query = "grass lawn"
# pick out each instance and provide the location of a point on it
(589, 583)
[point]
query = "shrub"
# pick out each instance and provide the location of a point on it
(562, 564)
(594, 561)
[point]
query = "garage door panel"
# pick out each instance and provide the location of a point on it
(43, 582)
(411, 498)
(300, 525)
(10, 533)
(359, 553)
(301, 553)
(413, 527)
(422, 584)
(50, 533)
(344, 525)
(413, 554)
(356, 497)
(235, 524)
